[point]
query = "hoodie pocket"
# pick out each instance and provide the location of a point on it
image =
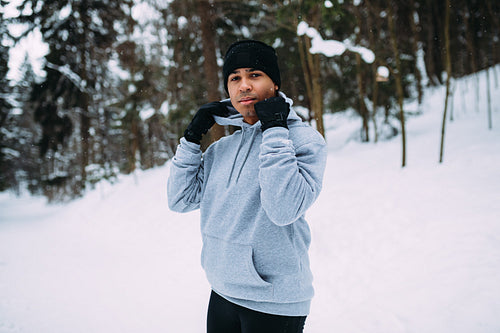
(230, 270)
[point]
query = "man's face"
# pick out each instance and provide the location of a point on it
(247, 86)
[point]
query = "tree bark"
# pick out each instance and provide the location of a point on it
(210, 67)
(488, 96)
(399, 85)
(414, 45)
(84, 126)
(430, 54)
(363, 111)
(317, 95)
(312, 74)
(371, 40)
(448, 74)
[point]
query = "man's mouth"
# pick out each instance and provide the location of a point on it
(247, 100)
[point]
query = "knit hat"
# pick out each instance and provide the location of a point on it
(251, 54)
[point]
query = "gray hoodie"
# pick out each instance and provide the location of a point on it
(253, 189)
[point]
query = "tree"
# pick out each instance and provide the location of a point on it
(373, 22)
(185, 89)
(397, 74)
(5, 107)
(448, 75)
(27, 170)
(211, 69)
(119, 89)
(311, 63)
(80, 35)
(412, 13)
(362, 109)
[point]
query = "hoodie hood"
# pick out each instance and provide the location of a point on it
(236, 119)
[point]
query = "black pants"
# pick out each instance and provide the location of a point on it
(226, 317)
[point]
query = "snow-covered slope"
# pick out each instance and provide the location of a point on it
(413, 249)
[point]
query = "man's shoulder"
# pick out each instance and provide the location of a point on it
(302, 133)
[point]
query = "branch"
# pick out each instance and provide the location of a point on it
(72, 76)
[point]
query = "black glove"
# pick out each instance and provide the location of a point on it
(203, 120)
(272, 112)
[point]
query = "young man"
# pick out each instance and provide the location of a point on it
(253, 189)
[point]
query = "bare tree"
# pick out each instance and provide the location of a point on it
(397, 76)
(414, 46)
(488, 94)
(448, 74)
(311, 66)
(210, 67)
(374, 27)
(363, 110)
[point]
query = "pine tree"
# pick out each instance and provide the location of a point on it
(80, 35)
(5, 108)
(26, 134)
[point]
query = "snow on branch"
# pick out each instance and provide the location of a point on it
(332, 48)
(72, 76)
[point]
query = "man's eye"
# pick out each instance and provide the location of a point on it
(234, 78)
(255, 74)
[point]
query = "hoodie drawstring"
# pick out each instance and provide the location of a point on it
(247, 153)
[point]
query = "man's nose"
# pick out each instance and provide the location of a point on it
(245, 85)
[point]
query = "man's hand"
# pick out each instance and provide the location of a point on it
(203, 120)
(272, 112)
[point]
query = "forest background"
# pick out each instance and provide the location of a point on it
(121, 80)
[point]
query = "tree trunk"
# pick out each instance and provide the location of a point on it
(363, 111)
(491, 12)
(210, 67)
(305, 69)
(317, 94)
(431, 25)
(375, 101)
(84, 137)
(310, 66)
(313, 82)
(448, 74)
(414, 44)
(84, 130)
(134, 137)
(488, 94)
(399, 85)
(371, 39)
(469, 40)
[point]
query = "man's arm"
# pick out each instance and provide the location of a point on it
(186, 173)
(290, 179)
(186, 178)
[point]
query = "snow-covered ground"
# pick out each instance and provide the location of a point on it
(414, 249)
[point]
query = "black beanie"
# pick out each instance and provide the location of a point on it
(251, 54)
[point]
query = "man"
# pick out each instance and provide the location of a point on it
(253, 189)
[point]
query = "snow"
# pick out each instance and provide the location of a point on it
(383, 71)
(30, 46)
(144, 13)
(331, 48)
(414, 249)
(182, 21)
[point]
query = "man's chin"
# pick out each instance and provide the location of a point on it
(247, 110)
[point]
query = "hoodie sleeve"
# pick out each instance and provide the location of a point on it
(290, 176)
(186, 178)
